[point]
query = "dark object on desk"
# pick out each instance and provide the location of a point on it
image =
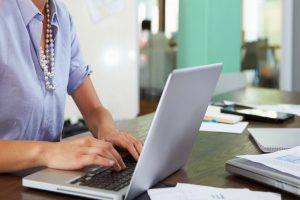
(256, 114)
(264, 174)
(73, 129)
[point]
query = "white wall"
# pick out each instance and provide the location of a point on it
(110, 46)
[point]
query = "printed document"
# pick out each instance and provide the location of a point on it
(198, 192)
(287, 161)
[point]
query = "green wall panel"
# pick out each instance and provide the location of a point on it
(210, 32)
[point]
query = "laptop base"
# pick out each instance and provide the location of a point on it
(264, 174)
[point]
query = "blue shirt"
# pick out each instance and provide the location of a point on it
(27, 110)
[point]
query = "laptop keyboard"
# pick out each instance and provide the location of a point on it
(108, 178)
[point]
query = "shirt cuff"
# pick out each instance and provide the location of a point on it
(77, 77)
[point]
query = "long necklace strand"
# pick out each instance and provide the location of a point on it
(47, 58)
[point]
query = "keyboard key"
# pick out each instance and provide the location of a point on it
(107, 178)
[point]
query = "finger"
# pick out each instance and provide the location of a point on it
(106, 152)
(138, 144)
(132, 150)
(128, 144)
(94, 159)
(116, 166)
(124, 141)
(118, 157)
(133, 138)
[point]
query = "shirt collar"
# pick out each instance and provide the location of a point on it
(29, 11)
(54, 19)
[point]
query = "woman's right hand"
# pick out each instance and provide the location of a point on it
(79, 153)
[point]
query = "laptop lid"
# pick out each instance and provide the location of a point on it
(175, 125)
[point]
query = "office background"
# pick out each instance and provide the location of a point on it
(134, 47)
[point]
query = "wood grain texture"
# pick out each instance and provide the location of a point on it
(206, 165)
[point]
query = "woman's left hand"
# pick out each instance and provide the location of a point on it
(125, 141)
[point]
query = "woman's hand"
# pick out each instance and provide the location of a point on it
(123, 140)
(76, 154)
(100, 122)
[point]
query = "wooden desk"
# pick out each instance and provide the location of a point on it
(206, 165)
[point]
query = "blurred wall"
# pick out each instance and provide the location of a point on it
(210, 32)
(109, 43)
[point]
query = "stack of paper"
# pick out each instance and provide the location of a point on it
(215, 121)
(287, 161)
(197, 192)
(213, 113)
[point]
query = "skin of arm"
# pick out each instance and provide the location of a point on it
(68, 155)
(100, 121)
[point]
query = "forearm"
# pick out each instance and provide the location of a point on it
(66, 155)
(96, 116)
(100, 122)
(20, 155)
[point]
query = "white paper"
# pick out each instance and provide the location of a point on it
(213, 113)
(285, 108)
(198, 192)
(226, 128)
(100, 9)
(287, 161)
(166, 193)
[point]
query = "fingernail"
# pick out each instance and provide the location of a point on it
(120, 167)
(111, 162)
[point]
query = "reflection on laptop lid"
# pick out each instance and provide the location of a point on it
(169, 141)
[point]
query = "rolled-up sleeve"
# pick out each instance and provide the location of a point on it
(78, 69)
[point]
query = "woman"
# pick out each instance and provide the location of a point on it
(40, 61)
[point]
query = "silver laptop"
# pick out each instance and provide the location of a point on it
(263, 174)
(275, 139)
(169, 142)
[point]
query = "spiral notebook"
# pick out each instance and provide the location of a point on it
(275, 139)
